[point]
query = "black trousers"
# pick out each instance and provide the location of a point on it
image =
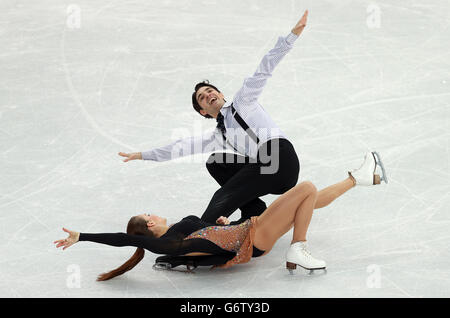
(243, 180)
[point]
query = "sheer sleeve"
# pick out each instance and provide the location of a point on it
(254, 85)
(207, 142)
(167, 246)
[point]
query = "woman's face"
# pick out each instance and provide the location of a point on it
(153, 220)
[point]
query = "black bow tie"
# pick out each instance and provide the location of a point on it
(220, 123)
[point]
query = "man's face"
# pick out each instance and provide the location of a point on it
(210, 100)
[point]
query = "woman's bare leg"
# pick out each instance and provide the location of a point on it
(293, 208)
(331, 193)
(303, 216)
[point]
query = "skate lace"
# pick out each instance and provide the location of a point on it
(305, 251)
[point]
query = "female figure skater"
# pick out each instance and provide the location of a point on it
(237, 243)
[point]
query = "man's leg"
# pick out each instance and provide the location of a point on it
(243, 187)
(222, 167)
(254, 180)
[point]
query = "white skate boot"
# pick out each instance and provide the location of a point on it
(298, 254)
(365, 175)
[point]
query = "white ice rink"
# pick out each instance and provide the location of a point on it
(82, 80)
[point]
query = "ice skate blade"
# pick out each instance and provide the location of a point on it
(292, 266)
(168, 267)
(381, 165)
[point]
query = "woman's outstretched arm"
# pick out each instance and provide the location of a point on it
(165, 246)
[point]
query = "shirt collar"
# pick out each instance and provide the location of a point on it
(225, 107)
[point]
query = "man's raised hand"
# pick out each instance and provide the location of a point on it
(297, 30)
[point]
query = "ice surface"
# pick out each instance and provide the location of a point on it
(82, 80)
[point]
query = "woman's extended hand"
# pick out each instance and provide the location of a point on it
(223, 220)
(131, 156)
(297, 30)
(69, 241)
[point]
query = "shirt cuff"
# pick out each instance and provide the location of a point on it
(290, 39)
(147, 155)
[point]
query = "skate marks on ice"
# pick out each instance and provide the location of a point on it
(342, 91)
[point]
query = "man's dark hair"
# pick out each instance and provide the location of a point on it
(195, 104)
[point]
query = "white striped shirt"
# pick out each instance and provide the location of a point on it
(245, 102)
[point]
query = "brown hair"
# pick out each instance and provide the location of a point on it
(136, 226)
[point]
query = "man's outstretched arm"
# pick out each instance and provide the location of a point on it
(253, 86)
(206, 142)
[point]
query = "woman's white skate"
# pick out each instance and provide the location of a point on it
(366, 174)
(298, 254)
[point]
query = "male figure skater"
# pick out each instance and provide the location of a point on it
(264, 161)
